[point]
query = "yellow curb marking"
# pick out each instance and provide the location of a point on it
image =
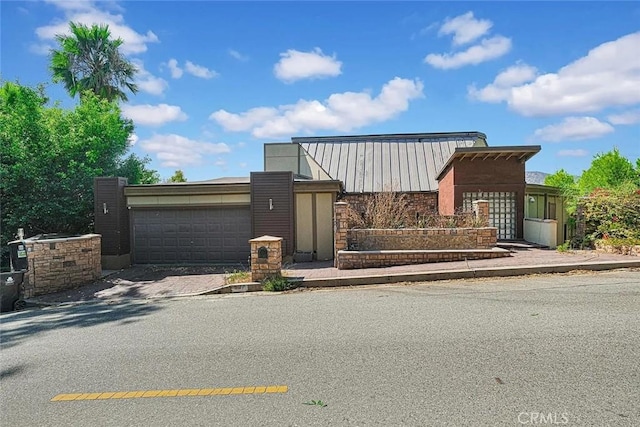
(170, 393)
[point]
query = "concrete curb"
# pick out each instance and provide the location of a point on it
(466, 274)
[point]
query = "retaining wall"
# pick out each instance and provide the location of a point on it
(421, 239)
(374, 259)
(59, 264)
(622, 250)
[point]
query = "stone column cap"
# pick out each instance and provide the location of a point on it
(266, 239)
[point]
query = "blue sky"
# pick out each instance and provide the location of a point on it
(218, 80)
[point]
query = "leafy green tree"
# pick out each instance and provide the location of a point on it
(567, 184)
(90, 60)
(50, 157)
(607, 171)
(178, 176)
(135, 170)
(560, 179)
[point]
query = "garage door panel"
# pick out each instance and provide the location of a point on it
(191, 235)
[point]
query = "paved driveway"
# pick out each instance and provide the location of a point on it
(146, 282)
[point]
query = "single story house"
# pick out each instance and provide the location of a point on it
(212, 221)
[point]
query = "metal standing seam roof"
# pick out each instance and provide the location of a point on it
(374, 163)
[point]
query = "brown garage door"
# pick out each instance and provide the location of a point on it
(192, 235)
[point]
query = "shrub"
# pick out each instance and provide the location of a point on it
(276, 284)
(391, 210)
(612, 214)
(382, 210)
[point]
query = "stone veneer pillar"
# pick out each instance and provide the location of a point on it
(266, 257)
(481, 210)
(340, 225)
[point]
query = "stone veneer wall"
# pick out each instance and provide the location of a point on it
(421, 239)
(59, 264)
(375, 259)
(271, 265)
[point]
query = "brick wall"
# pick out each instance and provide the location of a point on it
(340, 228)
(376, 259)
(446, 194)
(370, 248)
(421, 238)
(59, 264)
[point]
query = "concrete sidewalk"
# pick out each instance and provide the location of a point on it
(144, 282)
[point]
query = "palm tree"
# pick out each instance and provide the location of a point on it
(89, 59)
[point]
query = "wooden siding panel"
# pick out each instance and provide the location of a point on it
(113, 225)
(272, 207)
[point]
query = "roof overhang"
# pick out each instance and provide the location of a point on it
(186, 188)
(543, 189)
(317, 186)
(221, 187)
(386, 136)
(520, 153)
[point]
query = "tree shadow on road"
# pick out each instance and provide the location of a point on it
(7, 372)
(135, 282)
(18, 326)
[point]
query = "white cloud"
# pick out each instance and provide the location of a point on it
(244, 121)
(243, 165)
(295, 65)
(88, 13)
(178, 151)
(133, 139)
(608, 76)
(465, 28)
(487, 50)
(573, 129)
(176, 71)
(501, 87)
(41, 48)
(147, 82)
(340, 112)
(426, 30)
(573, 153)
(237, 55)
(153, 115)
(199, 71)
(630, 117)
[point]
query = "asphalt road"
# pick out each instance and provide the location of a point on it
(552, 350)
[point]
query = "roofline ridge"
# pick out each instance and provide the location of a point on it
(299, 139)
